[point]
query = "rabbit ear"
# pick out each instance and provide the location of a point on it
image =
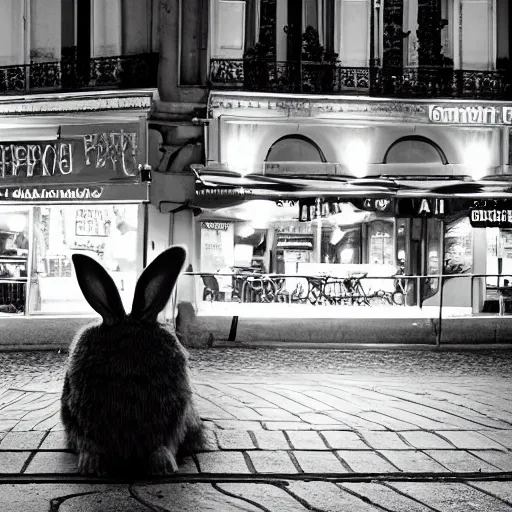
(156, 283)
(99, 289)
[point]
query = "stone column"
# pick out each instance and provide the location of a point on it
(168, 17)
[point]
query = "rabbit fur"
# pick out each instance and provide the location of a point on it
(126, 404)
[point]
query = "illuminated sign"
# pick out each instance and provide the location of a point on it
(223, 192)
(217, 226)
(405, 207)
(473, 114)
(217, 197)
(491, 214)
(36, 159)
(50, 194)
(117, 148)
(420, 207)
(84, 150)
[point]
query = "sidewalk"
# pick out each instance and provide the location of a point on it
(287, 443)
(35, 333)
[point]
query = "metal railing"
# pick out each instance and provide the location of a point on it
(71, 73)
(334, 78)
(402, 291)
(356, 289)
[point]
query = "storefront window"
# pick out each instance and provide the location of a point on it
(433, 261)
(380, 243)
(342, 245)
(14, 249)
(106, 233)
(499, 255)
(295, 239)
(458, 251)
(401, 244)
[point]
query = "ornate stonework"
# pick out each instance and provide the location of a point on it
(260, 105)
(89, 103)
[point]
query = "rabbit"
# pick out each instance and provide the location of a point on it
(126, 403)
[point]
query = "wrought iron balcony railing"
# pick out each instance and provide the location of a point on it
(124, 71)
(333, 78)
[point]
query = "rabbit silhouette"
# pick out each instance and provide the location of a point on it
(127, 401)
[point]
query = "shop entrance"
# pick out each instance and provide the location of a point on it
(14, 251)
(36, 245)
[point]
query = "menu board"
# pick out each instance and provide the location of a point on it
(217, 246)
(92, 222)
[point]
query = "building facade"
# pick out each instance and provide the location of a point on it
(90, 91)
(341, 140)
(346, 144)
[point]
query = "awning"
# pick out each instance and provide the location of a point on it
(217, 187)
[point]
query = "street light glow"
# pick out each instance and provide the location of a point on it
(356, 158)
(476, 159)
(240, 154)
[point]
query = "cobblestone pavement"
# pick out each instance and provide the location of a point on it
(289, 430)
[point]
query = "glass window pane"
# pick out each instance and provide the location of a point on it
(106, 233)
(14, 249)
(413, 151)
(380, 240)
(401, 245)
(294, 149)
(458, 247)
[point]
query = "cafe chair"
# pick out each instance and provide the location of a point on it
(211, 288)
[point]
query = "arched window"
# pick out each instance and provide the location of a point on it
(294, 148)
(414, 149)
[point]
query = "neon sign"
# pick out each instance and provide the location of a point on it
(36, 159)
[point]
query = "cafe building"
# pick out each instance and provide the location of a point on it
(70, 183)
(343, 201)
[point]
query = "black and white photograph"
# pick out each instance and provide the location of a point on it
(255, 255)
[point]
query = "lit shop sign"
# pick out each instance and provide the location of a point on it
(408, 207)
(50, 194)
(379, 205)
(36, 159)
(223, 192)
(475, 114)
(222, 197)
(491, 217)
(309, 209)
(116, 148)
(217, 226)
(420, 207)
(114, 151)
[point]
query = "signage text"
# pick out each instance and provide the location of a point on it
(45, 194)
(36, 159)
(475, 114)
(217, 226)
(490, 218)
(116, 150)
(222, 192)
(118, 147)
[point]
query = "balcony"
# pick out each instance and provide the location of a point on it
(333, 78)
(70, 74)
